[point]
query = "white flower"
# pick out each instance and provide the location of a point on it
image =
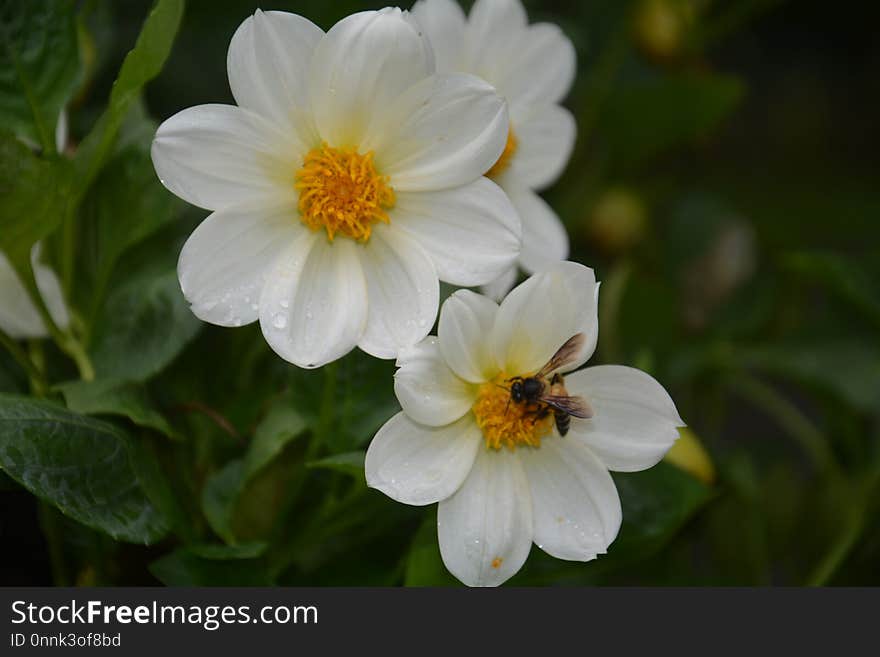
(502, 474)
(346, 181)
(532, 67)
(19, 317)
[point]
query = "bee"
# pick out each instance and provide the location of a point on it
(545, 396)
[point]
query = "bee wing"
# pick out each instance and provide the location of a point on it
(566, 354)
(574, 406)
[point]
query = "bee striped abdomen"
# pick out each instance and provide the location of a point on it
(563, 422)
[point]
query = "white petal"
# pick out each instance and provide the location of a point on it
(541, 70)
(444, 23)
(363, 63)
(268, 64)
(493, 37)
(485, 529)
(445, 131)
(544, 145)
(575, 504)
(545, 241)
(472, 233)
(216, 156)
(19, 317)
(499, 288)
(466, 321)
(428, 391)
(635, 421)
(419, 465)
(314, 304)
(225, 262)
(403, 292)
(540, 315)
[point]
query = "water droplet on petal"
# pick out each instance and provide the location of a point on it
(279, 321)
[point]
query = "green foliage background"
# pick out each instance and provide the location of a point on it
(722, 187)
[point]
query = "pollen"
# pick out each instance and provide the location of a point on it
(506, 158)
(341, 192)
(505, 423)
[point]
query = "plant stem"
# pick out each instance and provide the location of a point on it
(37, 380)
(52, 532)
(326, 412)
(790, 418)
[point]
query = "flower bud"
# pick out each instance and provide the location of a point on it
(618, 221)
(688, 454)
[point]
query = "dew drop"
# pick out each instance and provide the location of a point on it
(279, 321)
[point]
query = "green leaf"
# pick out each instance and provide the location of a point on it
(424, 565)
(642, 119)
(656, 504)
(220, 496)
(848, 369)
(81, 465)
(126, 205)
(142, 64)
(108, 397)
(843, 276)
(143, 327)
(34, 195)
(229, 567)
(280, 426)
(350, 463)
(39, 66)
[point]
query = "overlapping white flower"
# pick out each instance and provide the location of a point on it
(504, 477)
(19, 318)
(532, 67)
(346, 181)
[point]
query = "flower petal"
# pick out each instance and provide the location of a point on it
(429, 392)
(225, 262)
(498, 289)
(268, 64)
(541, 70)
(544, 145)
(540, 315)
(472, 233)
(216, 156)
(485, 528)
(493, 37)
(545, 241)
(314, 304)
(575, 504)
(403, 292)
(362, 64)
(444, 23)
(635, 421)
(418, 465)
(19, 317)
(466, 321)
(445, 131)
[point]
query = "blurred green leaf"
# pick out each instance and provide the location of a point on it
(281, 425)
(848, 369)
(424, 565)
(141, 65)
(644, 118)
(81, 465)
(231, 567)
(843, 276)
(350, 463)
(220, 496)
(108, 397)
(34, 194)
(39, 66)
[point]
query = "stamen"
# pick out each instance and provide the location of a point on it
(505, 422)
(341, 192)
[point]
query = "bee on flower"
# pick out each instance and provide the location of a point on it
(533, 68)
(344, 185)
(515, 443)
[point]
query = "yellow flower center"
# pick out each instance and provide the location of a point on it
(341, 192)
(505, 422)
(506, 158)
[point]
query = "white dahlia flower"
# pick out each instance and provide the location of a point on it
(19, 318)
(532, 67)
(470, 438)
(346, 181)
